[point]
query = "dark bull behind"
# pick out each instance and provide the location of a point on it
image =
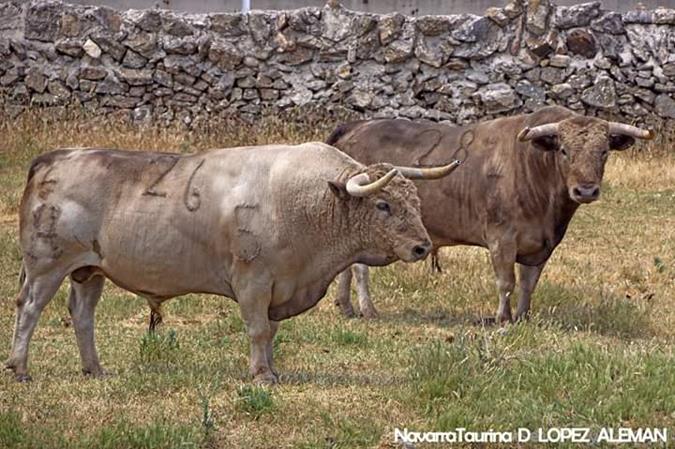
(523, 179)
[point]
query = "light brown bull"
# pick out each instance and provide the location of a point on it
(523, 179)
(269, 226)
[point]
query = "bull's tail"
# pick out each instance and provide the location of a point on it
(22, 275)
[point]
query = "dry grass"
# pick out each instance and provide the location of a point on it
(598, 351)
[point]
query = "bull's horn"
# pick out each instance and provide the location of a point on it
(629, 130)
(429, 173)
(360, 184)
(527, 133)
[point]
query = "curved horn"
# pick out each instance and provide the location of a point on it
(527, 133)
(629, 130)
(429, 173)
(360, 185)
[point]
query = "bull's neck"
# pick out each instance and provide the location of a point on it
(329, 231)
(543, 180)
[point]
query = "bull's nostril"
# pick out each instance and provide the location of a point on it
(586, 191)
(420, 250)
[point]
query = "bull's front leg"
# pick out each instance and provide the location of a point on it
(503, 256)
(529, 276)
(254, 304)
(269, 350)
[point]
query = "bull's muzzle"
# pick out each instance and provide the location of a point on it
(585, 193)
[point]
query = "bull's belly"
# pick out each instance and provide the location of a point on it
(163, 280)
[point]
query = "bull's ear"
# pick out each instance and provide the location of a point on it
(339, 189)
(620, 142)
(546, 143)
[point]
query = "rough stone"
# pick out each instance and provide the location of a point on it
(91, 49)
(577, 15)
(42, 21)
(59, 90)
(665, 106)
(390, 27)
(498, 97)
(473, 29)
(93, 72)
(224, 55)
(111, 85)
(149, 20)
(537, 16)
(145, 44)
(498, 16)
(432, 25)
(70, 25)
(35, 80)
(562, 91)
(70, 47)
(552, 75)
(581, 42)
(227, 24)
(610, 23)
(133, 60)
(528, 90)
(560, 61)
(601, 94)
(109, 45)
(135, 77)
(513, 8)
(178, 45)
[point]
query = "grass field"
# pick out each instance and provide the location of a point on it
(598, 351)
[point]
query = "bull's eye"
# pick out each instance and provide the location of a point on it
(383, 206)
(563, 151)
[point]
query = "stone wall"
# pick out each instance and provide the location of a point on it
(461, 68)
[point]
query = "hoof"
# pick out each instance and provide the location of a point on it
(485, 321)
(10, 366)
(23, 378)
(522, 317)
(370, 314)
(96, 374)
(268, 378)
(504, 319)
(348, 313)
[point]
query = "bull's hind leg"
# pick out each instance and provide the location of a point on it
(36, 293)
(20, 301)
(363, 291)
(344, 293)
(84, 297)
(529, 276)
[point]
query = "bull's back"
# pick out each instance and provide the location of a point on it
(453, 208)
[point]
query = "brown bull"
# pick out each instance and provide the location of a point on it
(522, 181)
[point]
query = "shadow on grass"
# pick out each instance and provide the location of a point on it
(339, 378)
(592, 310)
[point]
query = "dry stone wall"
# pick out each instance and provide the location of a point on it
(461, 68)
